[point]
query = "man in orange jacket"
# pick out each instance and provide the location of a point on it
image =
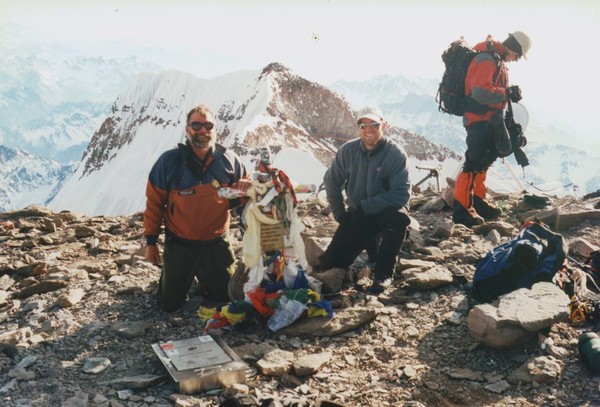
(488, 91)
(183, 194)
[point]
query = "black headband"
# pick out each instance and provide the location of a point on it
(512, 44)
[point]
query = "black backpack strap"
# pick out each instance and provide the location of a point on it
(197, 166)
(472, 105)
(492, 51)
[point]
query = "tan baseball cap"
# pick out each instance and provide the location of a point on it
(370, 112)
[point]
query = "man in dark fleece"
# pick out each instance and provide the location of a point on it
(372, 171)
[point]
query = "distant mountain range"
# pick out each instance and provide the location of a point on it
(111, 118)
(27, 179)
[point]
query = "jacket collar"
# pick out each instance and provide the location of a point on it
(186, 149)
(378, 147)
(496, 47)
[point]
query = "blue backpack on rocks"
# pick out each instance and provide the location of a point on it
(535, 254)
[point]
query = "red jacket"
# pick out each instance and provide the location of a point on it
(486, 81)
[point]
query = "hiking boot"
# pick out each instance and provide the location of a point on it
(322, 264)
(379, 286)
(467, 217)
(485, 209)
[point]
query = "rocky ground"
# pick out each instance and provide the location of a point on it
(78, 317)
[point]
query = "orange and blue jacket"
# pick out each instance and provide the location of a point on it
(486, 82)
(182, 193)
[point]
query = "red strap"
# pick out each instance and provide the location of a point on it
(286, 181)
(280, 179)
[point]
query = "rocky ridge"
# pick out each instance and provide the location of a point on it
(78, 317)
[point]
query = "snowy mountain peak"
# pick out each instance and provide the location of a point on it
(276, 67)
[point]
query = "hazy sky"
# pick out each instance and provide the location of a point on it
(326, 40)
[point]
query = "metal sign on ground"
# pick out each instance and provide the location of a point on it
(201, 363)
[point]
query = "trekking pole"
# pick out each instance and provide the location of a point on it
(501, 180)
(512, 172)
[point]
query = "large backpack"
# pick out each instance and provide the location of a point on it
(536, 254)
(451, 96)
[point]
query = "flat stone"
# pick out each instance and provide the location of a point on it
(34, 305)
(15, 336)
(290, 381)
(415, 264)
(466, 374)
(433, 205)
(27, 361)
(124, 259)
(9, 386)
(504, 228)
(557, 351)
(565, 221)
(409, 371)
(498, 387)
(72, 297)
(541, 369)
(95, 365)
(443, 230)
(6, 282)
(138, 382)
(454, 317)
(125, 394)
(516, 317)
(40, 288)
(485, 326)
(100, 398)
(494, 237)
(21, 374)
(309, 364)
(129, 330)
(582, 247)
(427, 279)
(84, 231)
(535, 309)
(276, 363)
(253, 350)
(344, 320)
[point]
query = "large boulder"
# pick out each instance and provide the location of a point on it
(516, 317)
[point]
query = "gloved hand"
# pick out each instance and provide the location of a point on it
(521, 158)
(356, 216)
(514, 93)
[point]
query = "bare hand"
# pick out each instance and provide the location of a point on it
(152, 254)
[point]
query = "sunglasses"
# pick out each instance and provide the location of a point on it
(373, 125)
(196, 126)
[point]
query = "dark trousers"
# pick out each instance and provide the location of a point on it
(212, 264)
(381, 235)
(481, 148)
